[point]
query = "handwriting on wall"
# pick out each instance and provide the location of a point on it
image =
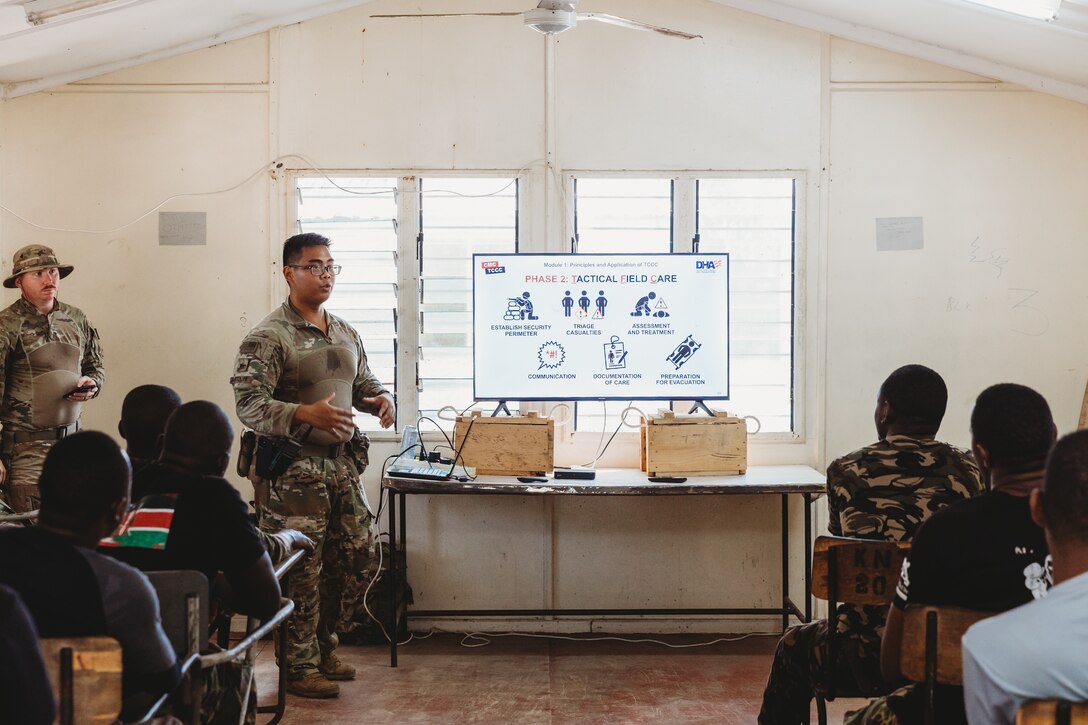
(1021, 307)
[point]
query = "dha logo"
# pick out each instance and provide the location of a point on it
(492, 267)
(708, 264)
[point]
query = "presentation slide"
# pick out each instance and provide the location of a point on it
(601, 326)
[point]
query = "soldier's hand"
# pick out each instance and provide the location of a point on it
(324, 416)
(86, 388)
(297, 540)
(3, 472)
(383, 409)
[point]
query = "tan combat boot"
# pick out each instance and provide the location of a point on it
(334, 669)
(313, 685)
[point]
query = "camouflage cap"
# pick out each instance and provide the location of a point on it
(32, 258)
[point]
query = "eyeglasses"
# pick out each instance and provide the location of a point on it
(317, 270)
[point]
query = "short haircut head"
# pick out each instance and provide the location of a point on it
(918, 396)
(1065, 489)
(1013, 423)
(84, 475)
(293, 247)
(144, 414)
(199, 430)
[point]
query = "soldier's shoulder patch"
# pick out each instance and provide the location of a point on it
(237, 379)
(249, 347)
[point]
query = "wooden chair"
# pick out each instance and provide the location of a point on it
(86, 676)
(1052, 712)
(931, 652)
(851, 571)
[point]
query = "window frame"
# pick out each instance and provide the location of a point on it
(409, 220)
(683, 237)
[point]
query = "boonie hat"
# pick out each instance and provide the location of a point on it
(32, 258)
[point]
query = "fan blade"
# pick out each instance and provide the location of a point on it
(447, 15)
(635, 25)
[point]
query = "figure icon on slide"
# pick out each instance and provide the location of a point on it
(642, 307)
(615, 356)
(519, 308)
(568, 303)
(602, 302)
(683, 352)
(583, 304)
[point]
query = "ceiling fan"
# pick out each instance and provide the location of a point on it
(555, 16)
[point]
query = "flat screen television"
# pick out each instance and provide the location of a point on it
(600, 326)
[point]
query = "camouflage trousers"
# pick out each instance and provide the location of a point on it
(323, 498)
(27, 460)
(797, 673)
(906, 705)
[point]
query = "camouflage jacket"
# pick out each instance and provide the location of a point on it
(885, 491)
(279, 360)
(42, 358)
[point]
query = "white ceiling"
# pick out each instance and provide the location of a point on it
(115, 34)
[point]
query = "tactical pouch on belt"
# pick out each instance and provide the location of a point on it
(359, 449)
(246, 449)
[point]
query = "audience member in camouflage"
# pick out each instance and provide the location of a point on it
(299, 373)
(883, 491)
(50, 364)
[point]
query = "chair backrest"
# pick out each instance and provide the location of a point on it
(856, 571)
(931, 650)
(85, 673)
(1052, 712)
(187, 630)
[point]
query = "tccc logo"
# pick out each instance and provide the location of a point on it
(709, 264)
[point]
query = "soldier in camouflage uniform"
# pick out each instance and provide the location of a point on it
(883, 491)
(50, 364)
(298, 373)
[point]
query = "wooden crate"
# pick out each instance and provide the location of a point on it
(694, 445)
(507, 446)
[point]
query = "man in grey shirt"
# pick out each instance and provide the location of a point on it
(69, 588)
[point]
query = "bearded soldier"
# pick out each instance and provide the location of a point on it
(51, 362)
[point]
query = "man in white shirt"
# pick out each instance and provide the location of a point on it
(1040, 650)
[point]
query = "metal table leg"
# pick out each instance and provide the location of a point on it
(394, 579)
(808, 556)
(785, 562)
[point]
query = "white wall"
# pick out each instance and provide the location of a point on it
(900, 137)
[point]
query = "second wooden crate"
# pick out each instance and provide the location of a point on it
(694, 445)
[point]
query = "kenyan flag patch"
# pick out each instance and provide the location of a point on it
(147, 526)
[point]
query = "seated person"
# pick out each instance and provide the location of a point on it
(1040, 650)
(142, 425)
(198, 519)
(882, 491)
(25, 693)
(72, 591)
(985, 553)
(143, 419)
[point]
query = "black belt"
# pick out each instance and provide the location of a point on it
(312, 450)
(46, 434)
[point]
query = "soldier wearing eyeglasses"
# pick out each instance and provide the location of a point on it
(298, 374)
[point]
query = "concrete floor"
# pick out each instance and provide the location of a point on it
(528, 681)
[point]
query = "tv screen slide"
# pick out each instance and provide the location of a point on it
(600, 326)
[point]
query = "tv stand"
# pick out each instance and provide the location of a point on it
(700, 405)
(501, 406)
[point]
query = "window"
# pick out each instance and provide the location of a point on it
(617, 215)
(751, 218)
(404, 261)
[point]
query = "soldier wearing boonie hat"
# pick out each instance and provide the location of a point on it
(50, 363)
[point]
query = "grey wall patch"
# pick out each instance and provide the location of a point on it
(895, 234)
(183, 227)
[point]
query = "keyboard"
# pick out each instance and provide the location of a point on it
(419, 469)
